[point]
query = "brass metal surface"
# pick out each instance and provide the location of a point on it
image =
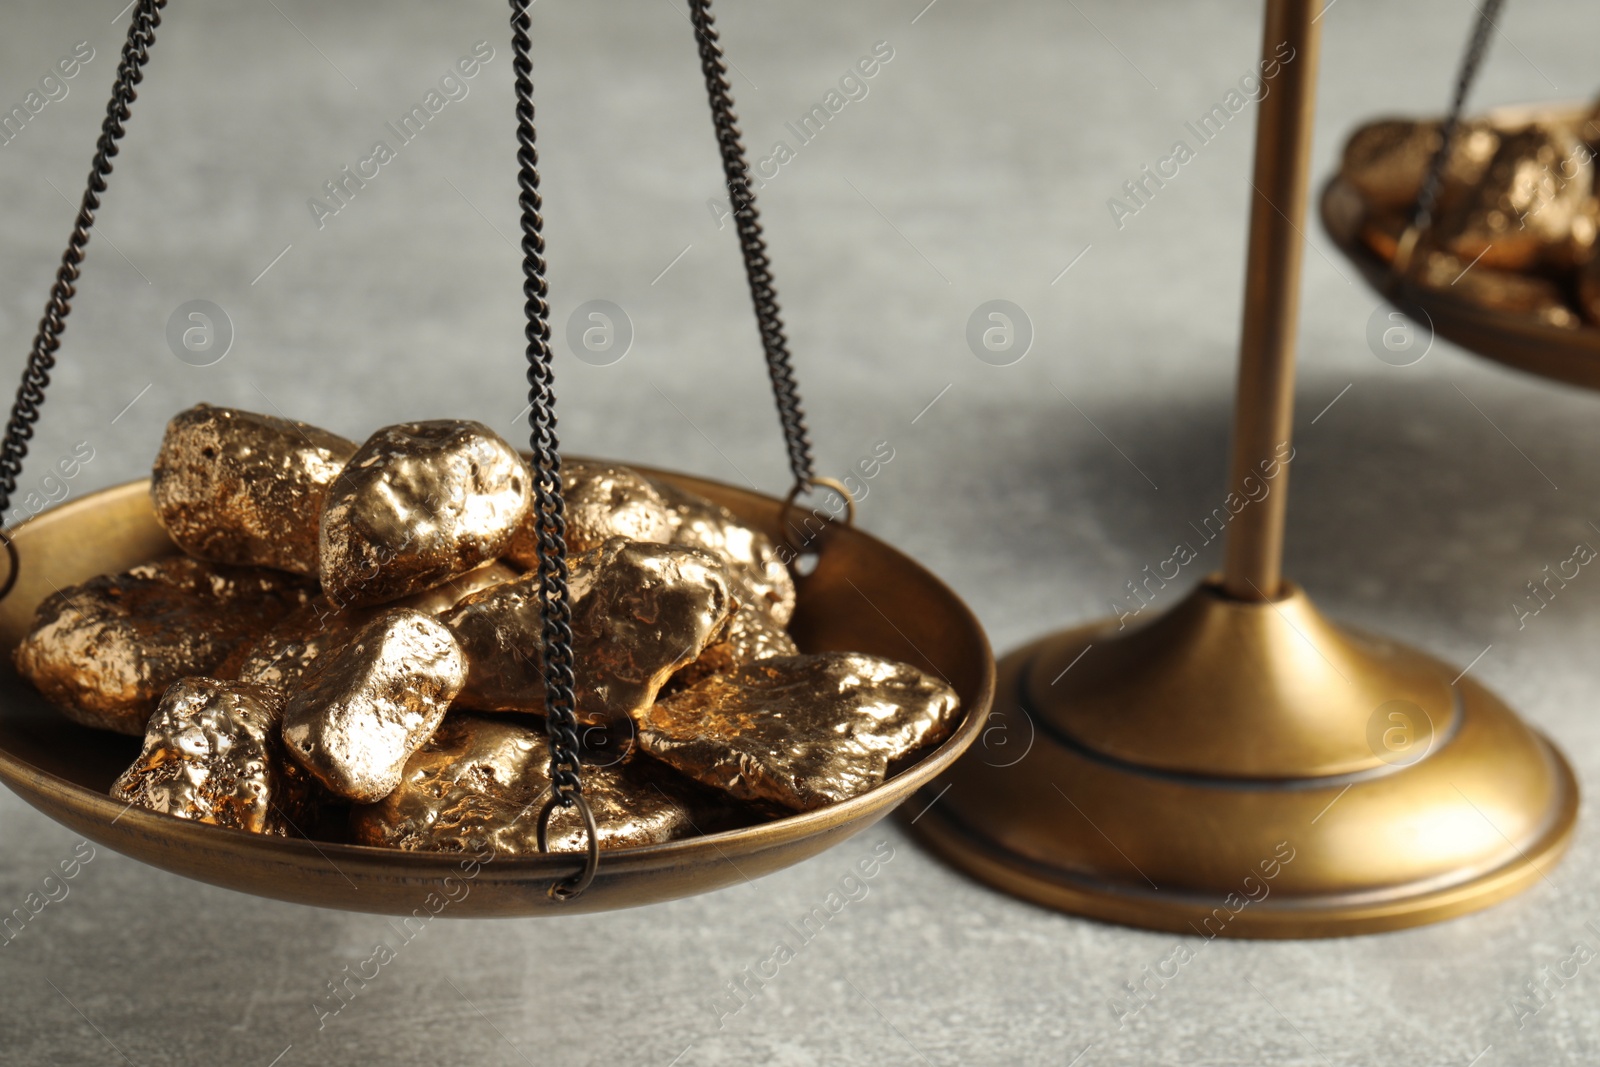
(863, 596)
(1589, 288)
(1234, 689)
(359, 716)
(639, 613)
(104, 650)
(479, 785)
(1459, 815)
(600, 501)
(233, 486)
(800, 732)
(212, 753)
(1532, 343)
(418, 504)
(1264, 401)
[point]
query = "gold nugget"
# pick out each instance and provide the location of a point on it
(212, 754)
(419, 504)
(103, 652)
(232, 486)
(800, 731)
(1387, 161)
(481, 784)
(1532, 205)
(640, 612)
(355, 721)
(600, 502)
(750, 635)
(751, 556)
(288, 653)
(1494, 290)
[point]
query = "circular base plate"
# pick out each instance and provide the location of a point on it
(1030, 810)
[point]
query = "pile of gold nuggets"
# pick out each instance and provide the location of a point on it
(348, 649)
(1515, 223)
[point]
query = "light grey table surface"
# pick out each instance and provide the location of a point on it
(977, 166)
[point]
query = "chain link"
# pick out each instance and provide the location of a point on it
(1477, 45)
(42, 358)
(561, 722)
(757, 268)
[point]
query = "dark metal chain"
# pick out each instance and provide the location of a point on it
(757, 268)
(556, 611)
(1427, 200)
(42, 359)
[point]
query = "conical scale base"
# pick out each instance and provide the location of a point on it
(1250, 769)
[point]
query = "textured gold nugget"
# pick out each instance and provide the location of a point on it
(355, 720)
(1494, 290)
(800, 731)
(750, 555)
(640, 612)
(601, 502)
(212, 754)
(289, 652)
(1387, 161)
(481, 784)
(419, 504)
(104, 651)
(750, 635)
(1533, 204)
(235, 487)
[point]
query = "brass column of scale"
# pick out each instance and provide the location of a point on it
(1242, 766)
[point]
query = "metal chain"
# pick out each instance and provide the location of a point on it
(556, 611)
(42, 359)
(1427, 200)
(757, 268)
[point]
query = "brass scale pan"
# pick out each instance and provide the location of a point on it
(863, 596)
(1567, 354)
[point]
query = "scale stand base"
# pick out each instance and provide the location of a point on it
(1250, 770)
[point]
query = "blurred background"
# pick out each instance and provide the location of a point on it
(977, 163)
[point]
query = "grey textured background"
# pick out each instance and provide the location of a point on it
(978, 167)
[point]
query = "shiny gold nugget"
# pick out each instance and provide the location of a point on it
(1533, 204)
(800, 731)
(232, 486)
(750, 635)
(481, 784)
(212, 754)
(750, 555)
(1387, 161)
(640, 612)
(288, 653)
(357, 719)
(601, 502)
(105, 651)
(1495, 290)
(419, 504)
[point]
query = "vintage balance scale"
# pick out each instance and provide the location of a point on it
(1242, 766)
(1165, 771)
